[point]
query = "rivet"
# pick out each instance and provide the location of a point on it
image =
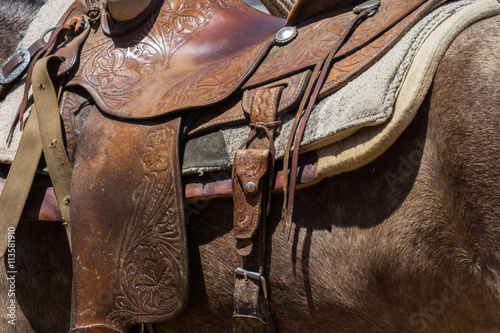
(67, 200)
(41, 86)
(250, 187)
(53, 143)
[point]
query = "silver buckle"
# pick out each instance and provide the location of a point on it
(18, 70)
(252, 275)
(22, 66)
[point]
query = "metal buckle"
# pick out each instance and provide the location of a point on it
(22, 66)
(252, 275)
(18, 70)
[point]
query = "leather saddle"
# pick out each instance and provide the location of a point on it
(136, 92)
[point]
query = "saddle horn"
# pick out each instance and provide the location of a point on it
(126, 10)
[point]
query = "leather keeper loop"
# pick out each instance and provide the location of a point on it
(250, 168)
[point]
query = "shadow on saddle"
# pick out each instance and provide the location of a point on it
(143, 101)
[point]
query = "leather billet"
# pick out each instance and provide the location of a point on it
(253, 172)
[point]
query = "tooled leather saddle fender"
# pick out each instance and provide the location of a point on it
(180, 69)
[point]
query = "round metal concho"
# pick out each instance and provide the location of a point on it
(285, 35)
(250, 187)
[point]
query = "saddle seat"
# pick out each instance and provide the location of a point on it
(199, 54)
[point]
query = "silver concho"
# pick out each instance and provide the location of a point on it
(285, 35)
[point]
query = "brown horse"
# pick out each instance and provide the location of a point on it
(407, 243)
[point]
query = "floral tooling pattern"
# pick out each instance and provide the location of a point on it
(120, 67)
(153, 255)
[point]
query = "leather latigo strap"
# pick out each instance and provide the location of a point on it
(126, 191)
(302, 116)
(252, 180)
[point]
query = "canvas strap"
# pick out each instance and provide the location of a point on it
(50, 123)
(43, 132)
(19, 179)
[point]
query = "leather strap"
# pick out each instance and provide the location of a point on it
(54, 150)
(252, 180)
(312, 92)
(19, 179)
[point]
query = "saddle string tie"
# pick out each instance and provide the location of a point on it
(297, 132)
(73, 26)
